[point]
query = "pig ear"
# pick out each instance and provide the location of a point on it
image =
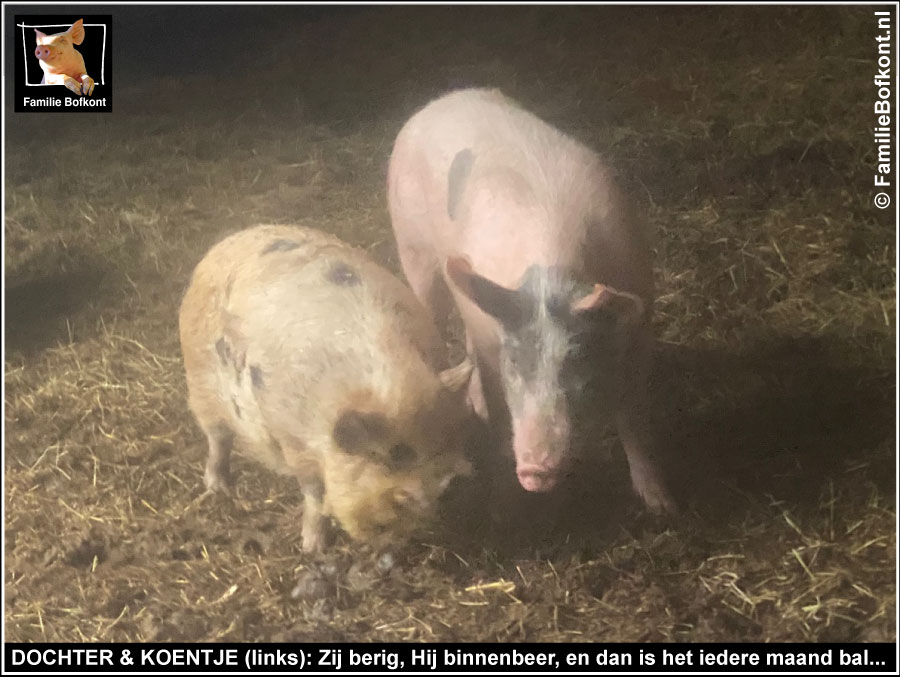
(457, 176)
(355, 430)
(76, 32)
(508, 306)
(40, 36)
(455, 379)
(627, 308)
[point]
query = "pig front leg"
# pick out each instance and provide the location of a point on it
(315, 523)
(476, 387)
(645, 474)
(633, 425)
(635, 432)
(218, 464)
(87, 84)
(72, 84)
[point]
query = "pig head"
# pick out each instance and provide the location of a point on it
(61, 62)
(559, 348)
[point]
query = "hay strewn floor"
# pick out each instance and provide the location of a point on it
(745, 136)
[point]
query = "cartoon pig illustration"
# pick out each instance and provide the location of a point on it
(307, 356)
(61, 62)
(525, 229)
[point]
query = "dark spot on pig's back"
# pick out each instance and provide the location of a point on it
(237, 408)
(457, 176)
(342, 274)
(279, 245)
(256, 377)
(222, 350)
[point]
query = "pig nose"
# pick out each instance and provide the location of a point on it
(42, 52)
(537, 478)
(410, 499)
(540, 466)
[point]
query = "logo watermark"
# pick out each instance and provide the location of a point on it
(883, 81)
(63, 63)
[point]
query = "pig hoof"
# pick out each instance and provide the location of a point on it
(650, 486)
(73, 86)
(658, 500)
(313, 540)
(87, 87)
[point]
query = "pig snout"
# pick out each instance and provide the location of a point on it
(541, 446)
(44, 53)
(411, 499)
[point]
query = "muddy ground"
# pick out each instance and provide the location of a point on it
(745, 137)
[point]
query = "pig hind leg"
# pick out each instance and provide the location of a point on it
(218, 464)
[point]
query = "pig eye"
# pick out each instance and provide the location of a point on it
(401, 456)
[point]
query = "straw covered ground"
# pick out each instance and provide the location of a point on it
(745, 137)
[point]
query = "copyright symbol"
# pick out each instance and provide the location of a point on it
(882, 200)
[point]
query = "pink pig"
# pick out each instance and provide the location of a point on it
(61, 62)
(527, 230)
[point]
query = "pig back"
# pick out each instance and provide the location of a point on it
(494, 182)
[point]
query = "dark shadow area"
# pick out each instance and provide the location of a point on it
(735, 432)
(182, 40)
(36, 311)
(777, 422)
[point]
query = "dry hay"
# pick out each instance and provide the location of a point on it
(774, 378)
